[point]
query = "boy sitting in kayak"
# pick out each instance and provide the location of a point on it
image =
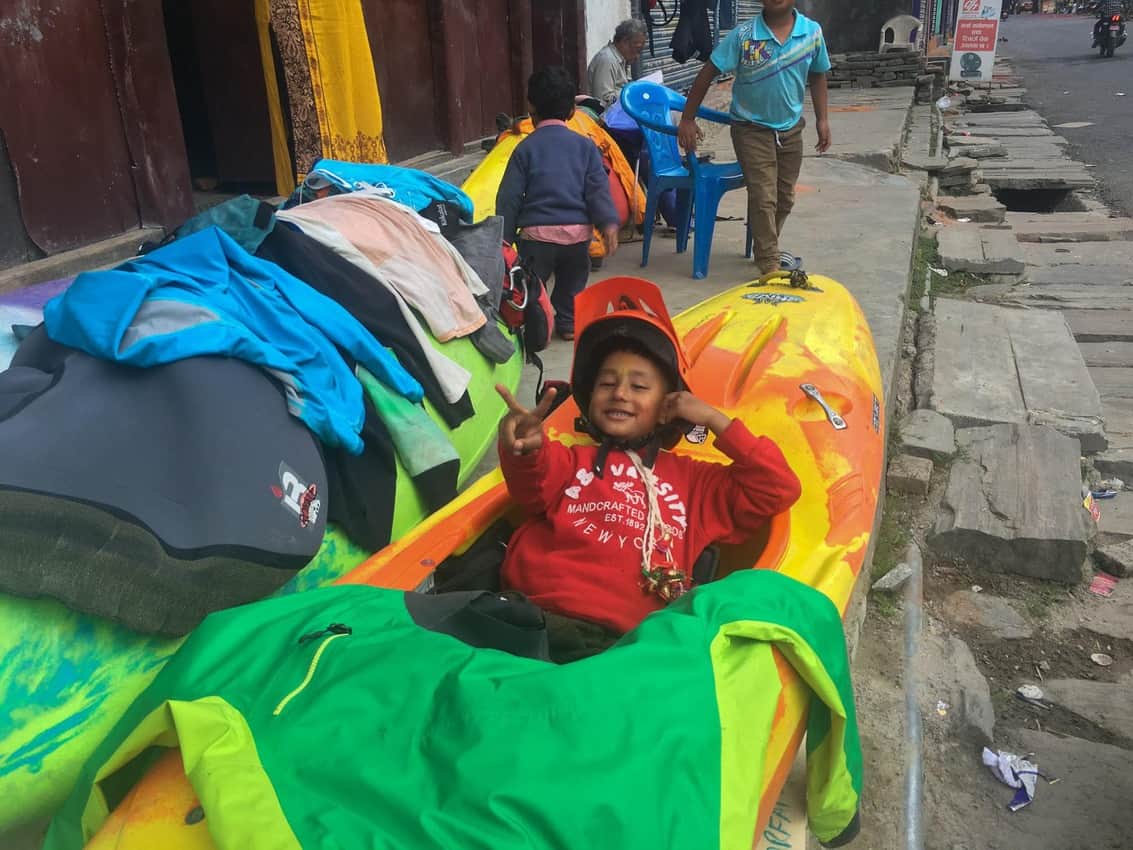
(614, 528)
(554, 189)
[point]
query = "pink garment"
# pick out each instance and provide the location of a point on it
(558, 234)
(408, 253)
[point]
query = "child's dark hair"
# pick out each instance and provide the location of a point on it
(551, 92)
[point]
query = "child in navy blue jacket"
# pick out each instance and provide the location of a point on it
(554, 190)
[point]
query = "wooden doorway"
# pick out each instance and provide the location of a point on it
(97, 149)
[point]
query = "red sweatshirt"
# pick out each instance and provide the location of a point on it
(579, 553)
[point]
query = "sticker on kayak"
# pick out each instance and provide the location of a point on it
(773, 298)
(876, 420)
(298, 497)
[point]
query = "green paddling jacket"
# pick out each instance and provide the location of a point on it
(296, 734)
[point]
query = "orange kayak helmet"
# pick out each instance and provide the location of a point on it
(624, 307)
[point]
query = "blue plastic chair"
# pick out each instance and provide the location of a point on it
(699, 185)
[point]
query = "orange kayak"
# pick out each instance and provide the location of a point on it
(797, 365)
(482, 185)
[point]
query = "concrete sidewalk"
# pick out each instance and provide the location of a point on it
(851, 222)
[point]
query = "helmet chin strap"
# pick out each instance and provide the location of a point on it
(647, 446)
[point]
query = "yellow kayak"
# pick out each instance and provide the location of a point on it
(797, 365)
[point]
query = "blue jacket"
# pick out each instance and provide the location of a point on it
(415, 189)
(205, 295)
(554, 176)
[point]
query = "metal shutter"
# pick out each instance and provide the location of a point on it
(725, 13)
(747, 9)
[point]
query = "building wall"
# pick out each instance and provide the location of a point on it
(601, 18)
(853, 24)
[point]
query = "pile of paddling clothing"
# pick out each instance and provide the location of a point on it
(177, 435)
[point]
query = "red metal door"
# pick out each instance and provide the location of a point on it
(401, 42)
(89, 120)
(63, 125)
(497, 88)
(558, 35)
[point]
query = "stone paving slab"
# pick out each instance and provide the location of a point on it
(1077, 273)
(1112, 616)
(1101, 325)
(1071, 296)
(1118, 413)
(967, 247)
(1069, 227)
(927, 434)
(955, 141)
(1013, 504)
(1088, 808)
(1107, 354)
(1026, 118)
(1113, 382)
(1103, 703)
(979, 208)
(1079, 253)
(1035, 131)
(994, 615)
(1037, 177)
(981, 151)
(1019, 160)
(997, 364)
(1116, 524)
(1117, 462)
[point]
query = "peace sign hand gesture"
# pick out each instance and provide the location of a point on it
(521, 430)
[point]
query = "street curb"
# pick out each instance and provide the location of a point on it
(97, 255)
(856, 609)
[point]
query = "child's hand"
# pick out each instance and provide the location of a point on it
(689, 135)
(610, 238)
(684, 405)
(521, 430)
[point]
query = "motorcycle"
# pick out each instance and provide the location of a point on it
(1110, 35)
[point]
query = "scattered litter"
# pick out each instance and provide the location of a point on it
(1074, 125)
(944, 103)
(1119, 93)
(1112, 484)
(1101, 659)
(1032, 695)
(976, 588)
(942, 708)
(1015, 772)
(1103, 585)
(1103, 494)
(1090, 504)
(935, 270)
(964, 220)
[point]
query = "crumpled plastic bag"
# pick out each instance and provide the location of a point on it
(1015, 772)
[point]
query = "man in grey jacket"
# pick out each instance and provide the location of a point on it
(609, 70)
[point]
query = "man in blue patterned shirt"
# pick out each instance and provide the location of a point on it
(775, 57)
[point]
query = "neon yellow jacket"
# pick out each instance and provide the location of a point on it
(297, 733)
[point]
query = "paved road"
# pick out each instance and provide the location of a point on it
(1067, 82)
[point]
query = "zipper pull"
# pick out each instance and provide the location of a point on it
(332, 629)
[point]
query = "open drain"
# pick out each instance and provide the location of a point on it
(1040, 200)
